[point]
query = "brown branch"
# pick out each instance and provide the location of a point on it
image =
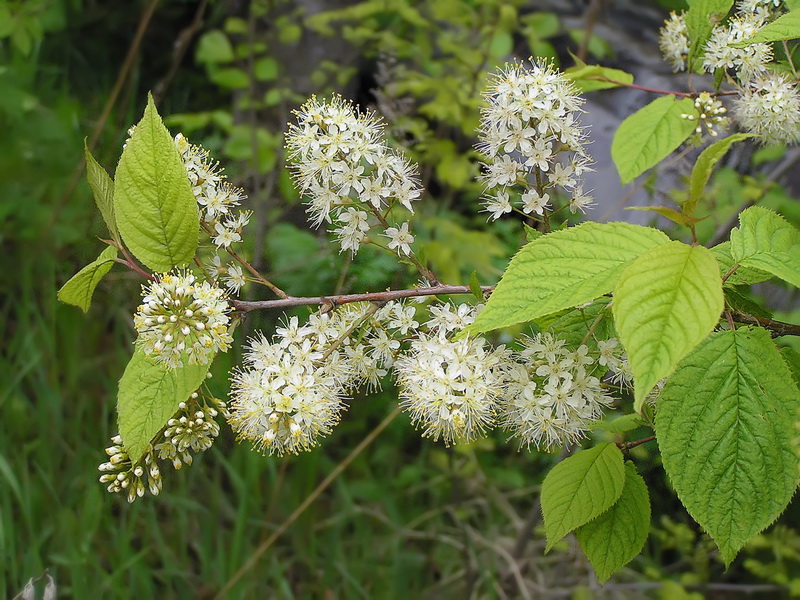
(633, 444)
(244, 306)
(776, 328)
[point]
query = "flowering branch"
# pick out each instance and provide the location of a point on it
(331, 301)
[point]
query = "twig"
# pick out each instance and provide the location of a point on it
(251, 562)
(592, 16)
(777, 328)
(633, 444)
(245, 306)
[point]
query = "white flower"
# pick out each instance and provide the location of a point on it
(580, 201)
(450, 388)
(749, 61)
(400, 239)
(234, 280)
(401, 318)
(225, 237)
(291, 390)
(498, 205)
(528, 128)
(674, 41)
(446, 317)
(341, 161)
(770, 107)
(532, 202)
(181, 319)
(553, 394)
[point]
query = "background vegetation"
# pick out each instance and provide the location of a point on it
(407, 517)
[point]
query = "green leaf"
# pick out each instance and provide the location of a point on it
(155, 207)
(588, 78)
(785, 27)
(580, 488)
(704, 166)
(700, 20)
(792, 359)
(668, 213)
(665, 303)
(563, 269)
(742, 275)
(102, 190)
(531, 233)
(650, 134)
(78, 291)
(621, 424)
(725, 425)
(148, 396)
(214, 47)
(765, 241)
(475, 286)
(573, 325)
(266, 69)
(230, 78)
(614, 538)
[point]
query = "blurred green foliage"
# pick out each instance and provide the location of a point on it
(408, 518)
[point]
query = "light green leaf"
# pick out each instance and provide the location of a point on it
(266, 69)
(148, 396)
(214, 47)
(621, 424)
(475, 286)
(785, 27)
(79, 290)
(563, 269)
(700, 20)
(154, 204)
(668, 213)
(614, 538)
(765, 241)
(103, 192)
(531, 233)
(742, 275)
(704, 166)
(650, 134)
(725, 425)
(231, 78)
(665, 303)
(580, 488)
(588, 78)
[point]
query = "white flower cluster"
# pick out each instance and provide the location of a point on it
(674, 41)
(769, 103)
(121, 477)
(216, 197)
(554, 393)
(354, 179)
(747, 62)
(292, 389)
(770, 107)
(193, 428)
(451, 388)
(711, 115)
(180, 318)
(531, 139)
